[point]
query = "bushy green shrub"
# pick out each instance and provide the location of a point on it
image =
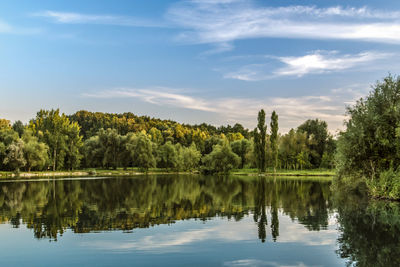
(387, 186)
(221, 160)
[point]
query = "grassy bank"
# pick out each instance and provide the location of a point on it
(270, 172)
(87, 172)
(137, 171)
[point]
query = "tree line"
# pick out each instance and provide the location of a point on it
(55, 141)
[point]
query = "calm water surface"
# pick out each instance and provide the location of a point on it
(193, 221)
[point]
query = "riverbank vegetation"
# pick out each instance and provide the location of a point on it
(53, 141)
(368, 151)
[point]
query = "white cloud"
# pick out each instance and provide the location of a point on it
(312, 63)
(292, 110)
(318, 62)
(79, 18)
(227, 21)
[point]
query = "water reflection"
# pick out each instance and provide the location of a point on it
(51, 207)
(285, 211)
(369, 231)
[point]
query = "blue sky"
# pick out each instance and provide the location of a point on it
(214, 61)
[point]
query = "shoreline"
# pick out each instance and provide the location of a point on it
(94, 173)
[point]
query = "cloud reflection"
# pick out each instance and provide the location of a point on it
(218, 230)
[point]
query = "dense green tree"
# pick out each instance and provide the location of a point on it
(370, 145)
(327, 161)
(189, 157)
(167, 156)
(92, 122)
(19, 127)
(4, 124)
(7, 137)
(328, 157)
(210, 143)
(302, 159)
(221, 159)
(234, 137)
(156, 136)
(93, 152)
(73, 146)
(260, 134)
(274, 139)
(141, 150)
(35, 152)
(371, 141)
(3, 150)
(293, 149)
(58, 133)
(238, 128)
(317, 133)
(126, 155)
(242, 148)
(112, 147)
(15, 155)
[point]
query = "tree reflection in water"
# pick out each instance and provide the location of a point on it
(369, 231)
(51, 207)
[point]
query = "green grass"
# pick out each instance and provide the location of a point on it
(311, 172)
(283, 177)
(135, 171)
(87, 172)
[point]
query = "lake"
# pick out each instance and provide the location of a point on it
(184, 220)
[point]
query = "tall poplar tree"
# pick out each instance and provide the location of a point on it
(274, 138)
(260, 141)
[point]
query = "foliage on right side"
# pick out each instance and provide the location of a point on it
(368, 151)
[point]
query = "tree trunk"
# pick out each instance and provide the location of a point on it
(54, 159)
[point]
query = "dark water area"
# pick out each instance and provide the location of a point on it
(170, 220)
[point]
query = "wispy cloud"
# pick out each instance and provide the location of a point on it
(80, 18)
(158, 243)
(11, 29)
(157, 95)
(313, 63)
(292, 110)
(319, 62)
(176, 241)
(218, 48)
(227, 21)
